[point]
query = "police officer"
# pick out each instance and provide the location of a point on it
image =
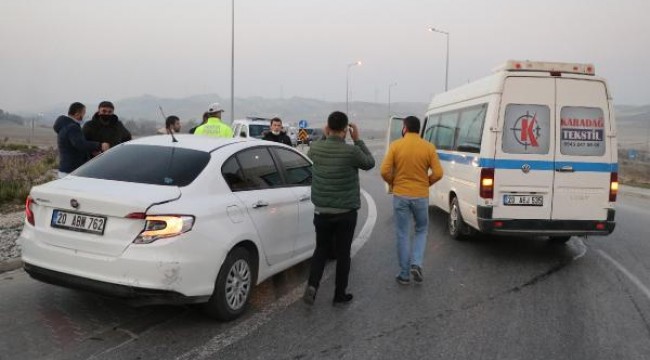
(214, 126)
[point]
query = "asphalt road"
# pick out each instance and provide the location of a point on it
(487, 298)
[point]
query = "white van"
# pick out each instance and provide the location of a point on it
(251, 127)
(528, 150)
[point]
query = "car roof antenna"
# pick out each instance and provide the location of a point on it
(169, 131)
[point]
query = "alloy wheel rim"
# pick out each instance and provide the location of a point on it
(238, 284)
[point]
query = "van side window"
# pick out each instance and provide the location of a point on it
(470, 129)
(526, 129)
(430, 131)
(446, 131)
(582, 131)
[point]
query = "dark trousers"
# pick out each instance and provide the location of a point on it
(333, 230)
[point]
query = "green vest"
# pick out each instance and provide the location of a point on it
(214, 127)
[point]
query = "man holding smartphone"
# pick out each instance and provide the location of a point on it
(335, 192)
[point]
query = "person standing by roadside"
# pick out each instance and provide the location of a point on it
(276, 134)
(203, 121)
(214, 126)
(105, 126)
(74, 149)
(406, 170)
(335, 192)
(172, 124)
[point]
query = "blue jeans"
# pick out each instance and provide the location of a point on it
(405, 209)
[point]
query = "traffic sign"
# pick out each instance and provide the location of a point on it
(302, 135)
(302, 124)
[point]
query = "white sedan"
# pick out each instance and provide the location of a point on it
(198, 220)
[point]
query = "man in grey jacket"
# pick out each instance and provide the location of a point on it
(336, 196)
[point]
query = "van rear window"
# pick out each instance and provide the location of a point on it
(582, 131)
(526, 129)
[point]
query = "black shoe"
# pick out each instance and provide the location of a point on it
(310, 295)
(416, 272)
(402, 281)
(342, 300)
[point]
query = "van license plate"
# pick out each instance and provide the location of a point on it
(523, 200)
(78, 222)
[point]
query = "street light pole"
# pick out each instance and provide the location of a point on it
(232, 67)
(389, 87)
(347, 86)
(431, 29)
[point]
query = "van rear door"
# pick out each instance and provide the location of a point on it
(583, 154)
(524, 154)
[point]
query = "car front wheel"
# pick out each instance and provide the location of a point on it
(233, 286)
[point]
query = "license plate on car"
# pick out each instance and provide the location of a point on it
(78, 222)
(523, 200)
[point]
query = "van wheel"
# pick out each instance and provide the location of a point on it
(233, 287)
(456, 225)
(559, 239)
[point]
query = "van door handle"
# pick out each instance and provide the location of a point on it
(566, 168)
(304, 197)
(260, 204)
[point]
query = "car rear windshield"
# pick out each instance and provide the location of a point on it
(147, 164)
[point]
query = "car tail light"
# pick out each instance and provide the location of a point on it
(29, 214)
(613, 187)
(164, 226)
(487, 183)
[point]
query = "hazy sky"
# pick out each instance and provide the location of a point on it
(59, 51)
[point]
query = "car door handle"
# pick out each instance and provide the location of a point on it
(260, 204)
(304, 197)
(566, 168)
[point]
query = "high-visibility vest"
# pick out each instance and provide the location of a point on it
(214, 127)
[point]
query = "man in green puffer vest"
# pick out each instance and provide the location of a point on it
(336, 196)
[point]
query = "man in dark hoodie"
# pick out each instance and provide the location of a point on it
(276, 134)
(106, 127)
(74, 149)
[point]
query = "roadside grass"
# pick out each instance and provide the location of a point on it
(18, 173)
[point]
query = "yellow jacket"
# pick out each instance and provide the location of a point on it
(406, 166)
(214, 127)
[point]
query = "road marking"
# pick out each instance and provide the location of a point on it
(644, 289)
(251, 324)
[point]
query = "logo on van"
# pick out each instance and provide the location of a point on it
(527, 130)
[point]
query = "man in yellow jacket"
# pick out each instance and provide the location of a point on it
(214, 126)
(406, 170)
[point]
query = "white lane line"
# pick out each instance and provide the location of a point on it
(583, 249)
(248, 326)
(644, 289)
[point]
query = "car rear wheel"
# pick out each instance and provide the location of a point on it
(233, 286)
(455, 224)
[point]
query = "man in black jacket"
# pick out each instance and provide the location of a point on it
(276, 134)
(74, 149)
(106, 127)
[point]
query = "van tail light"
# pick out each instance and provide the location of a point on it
(487, 183)
(163, 226)
(613, 187)
(29, 214)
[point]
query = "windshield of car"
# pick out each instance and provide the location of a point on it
(258, 130)
(147, 164)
